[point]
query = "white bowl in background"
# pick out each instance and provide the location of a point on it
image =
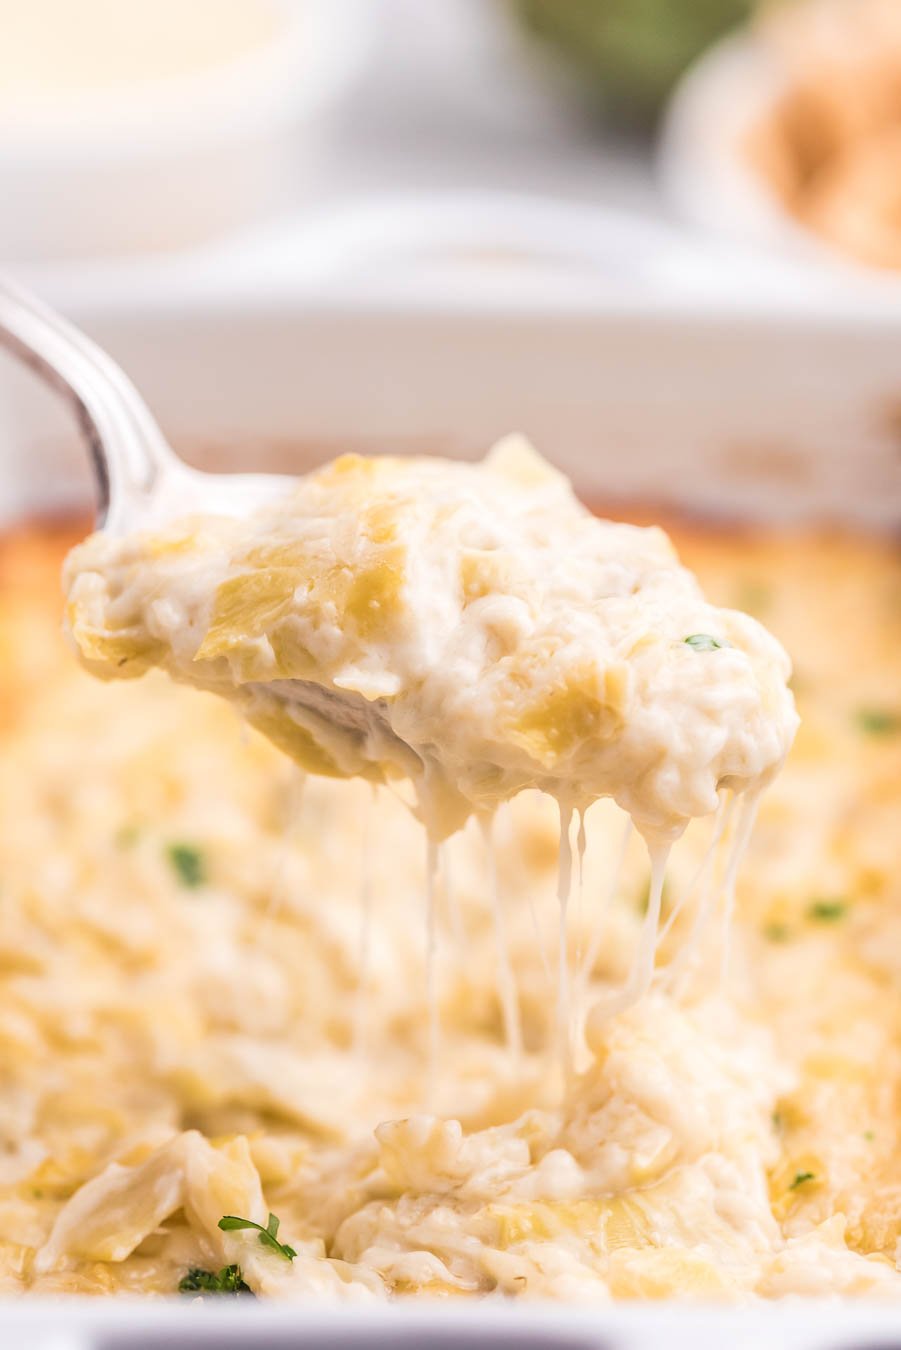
(179, 157)
(707, 174)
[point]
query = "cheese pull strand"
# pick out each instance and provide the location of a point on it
(506, 981)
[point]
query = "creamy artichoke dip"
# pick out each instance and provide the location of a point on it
(213, 969)
(477, 616)
(470, 628)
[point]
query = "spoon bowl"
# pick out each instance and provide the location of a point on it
(142, 483)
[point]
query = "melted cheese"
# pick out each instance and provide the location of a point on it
(481, 632)
(177, 1051)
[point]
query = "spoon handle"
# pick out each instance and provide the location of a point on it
(128, 451)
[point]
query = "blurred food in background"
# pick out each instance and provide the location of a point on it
(130, 126)
(630, 53)
(831, 146)
(53, 49)
(135, 129)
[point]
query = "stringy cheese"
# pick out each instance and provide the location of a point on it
(197, 1019)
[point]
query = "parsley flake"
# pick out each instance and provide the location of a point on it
(267, 1236)
(703, 642)
(827, 911)
(188, 863)
(777, 932)
(801, 1178)
(229, 1280)
(879, 721)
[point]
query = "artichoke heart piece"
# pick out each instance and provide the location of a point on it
(245, 606)
(293, 661)
(283, 553)
(794, 1180)
(516, 459)
(606, 1223)
(374, 597)
(355, 476)
(379, 521)
(588, 707)
(297, 741)
(662, 1272)
(173, 544)
(124, 653)
(484, 572)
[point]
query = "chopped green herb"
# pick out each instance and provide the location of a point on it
(801, 1178)
(229, 1280)
(777, 932)
(869, 1136)
(827, 911)
(189, 864)
(268, 1236)
(777, 1121)
(127, 836)
(703, 642)
(879, 721)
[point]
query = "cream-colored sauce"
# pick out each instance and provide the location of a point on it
(54, 51)
(470, 628)
(174, 1052)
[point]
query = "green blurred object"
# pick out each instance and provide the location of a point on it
(632, 51)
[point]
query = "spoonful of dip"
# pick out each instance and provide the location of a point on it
(472, 628)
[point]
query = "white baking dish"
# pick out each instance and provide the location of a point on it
(755, 416)
(83, 1324)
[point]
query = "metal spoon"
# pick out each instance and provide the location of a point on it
(142, 483)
